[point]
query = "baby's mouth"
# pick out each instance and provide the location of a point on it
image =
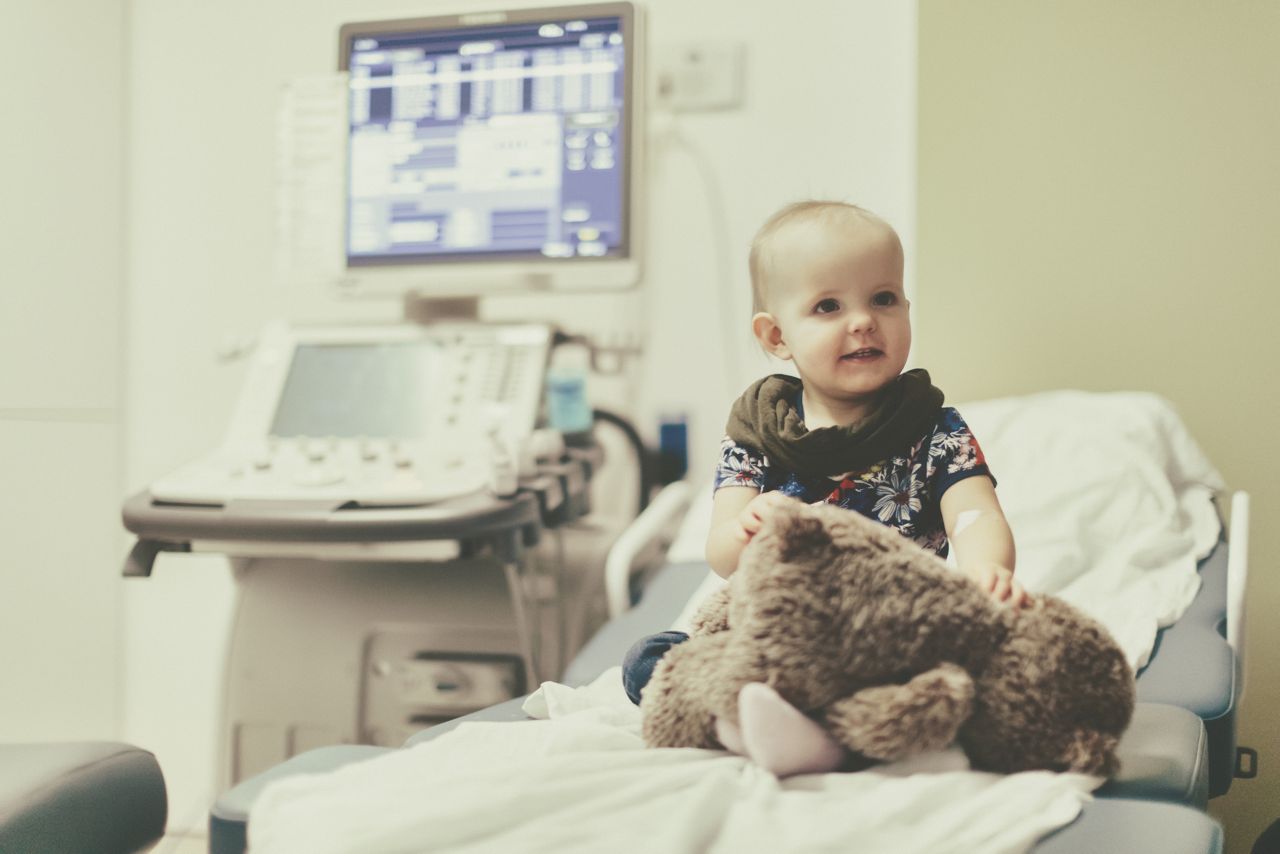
(861, 355)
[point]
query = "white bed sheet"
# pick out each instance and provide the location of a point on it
(1109, 498)
(582, 781)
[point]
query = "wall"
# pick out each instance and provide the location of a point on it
(1099, 199)
(829, 112)
(62, 189)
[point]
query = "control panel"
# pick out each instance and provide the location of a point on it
(376, 416)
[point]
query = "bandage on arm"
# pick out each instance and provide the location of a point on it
(976, 525)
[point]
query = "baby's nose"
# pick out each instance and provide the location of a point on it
(861, 321)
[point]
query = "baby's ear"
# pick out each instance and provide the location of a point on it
(767, 331)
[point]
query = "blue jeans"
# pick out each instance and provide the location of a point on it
(638, 664)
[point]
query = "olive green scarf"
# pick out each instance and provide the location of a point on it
(765, 418)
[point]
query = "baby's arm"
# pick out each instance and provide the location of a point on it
(981, 538)
(737, 512)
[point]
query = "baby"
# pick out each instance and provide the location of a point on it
(853, 430)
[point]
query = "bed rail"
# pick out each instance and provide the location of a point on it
(1237, 582)
(656, 526)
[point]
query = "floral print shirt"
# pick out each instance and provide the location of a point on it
(903, 492)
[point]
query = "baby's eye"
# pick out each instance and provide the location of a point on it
(826, 306)
(885, 298)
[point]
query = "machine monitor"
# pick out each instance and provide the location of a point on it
(349, 390)
(493, 151)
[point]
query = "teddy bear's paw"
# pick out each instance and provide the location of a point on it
(688, 690)
(729, 734)
(713, 616)
(890, 722)
(1091, 752)
(780, 738)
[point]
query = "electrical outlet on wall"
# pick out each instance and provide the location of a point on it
(700, 76)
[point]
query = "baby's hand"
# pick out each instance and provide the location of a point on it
(1000, 584)
(757, 511)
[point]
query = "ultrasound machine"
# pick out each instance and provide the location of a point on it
(393, 498)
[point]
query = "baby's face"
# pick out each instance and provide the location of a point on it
(836, 296)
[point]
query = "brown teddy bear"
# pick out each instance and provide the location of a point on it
(894, 653)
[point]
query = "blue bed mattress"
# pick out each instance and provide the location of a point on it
(1192, 666)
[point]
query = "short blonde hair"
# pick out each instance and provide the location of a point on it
(814, 210)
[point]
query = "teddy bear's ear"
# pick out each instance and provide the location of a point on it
(804, 534)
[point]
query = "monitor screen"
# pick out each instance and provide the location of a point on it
(502, 137)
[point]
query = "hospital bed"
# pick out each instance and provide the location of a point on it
(1179, 751)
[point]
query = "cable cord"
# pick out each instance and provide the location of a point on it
(643, 457)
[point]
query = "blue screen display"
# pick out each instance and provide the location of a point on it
(502, 141)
